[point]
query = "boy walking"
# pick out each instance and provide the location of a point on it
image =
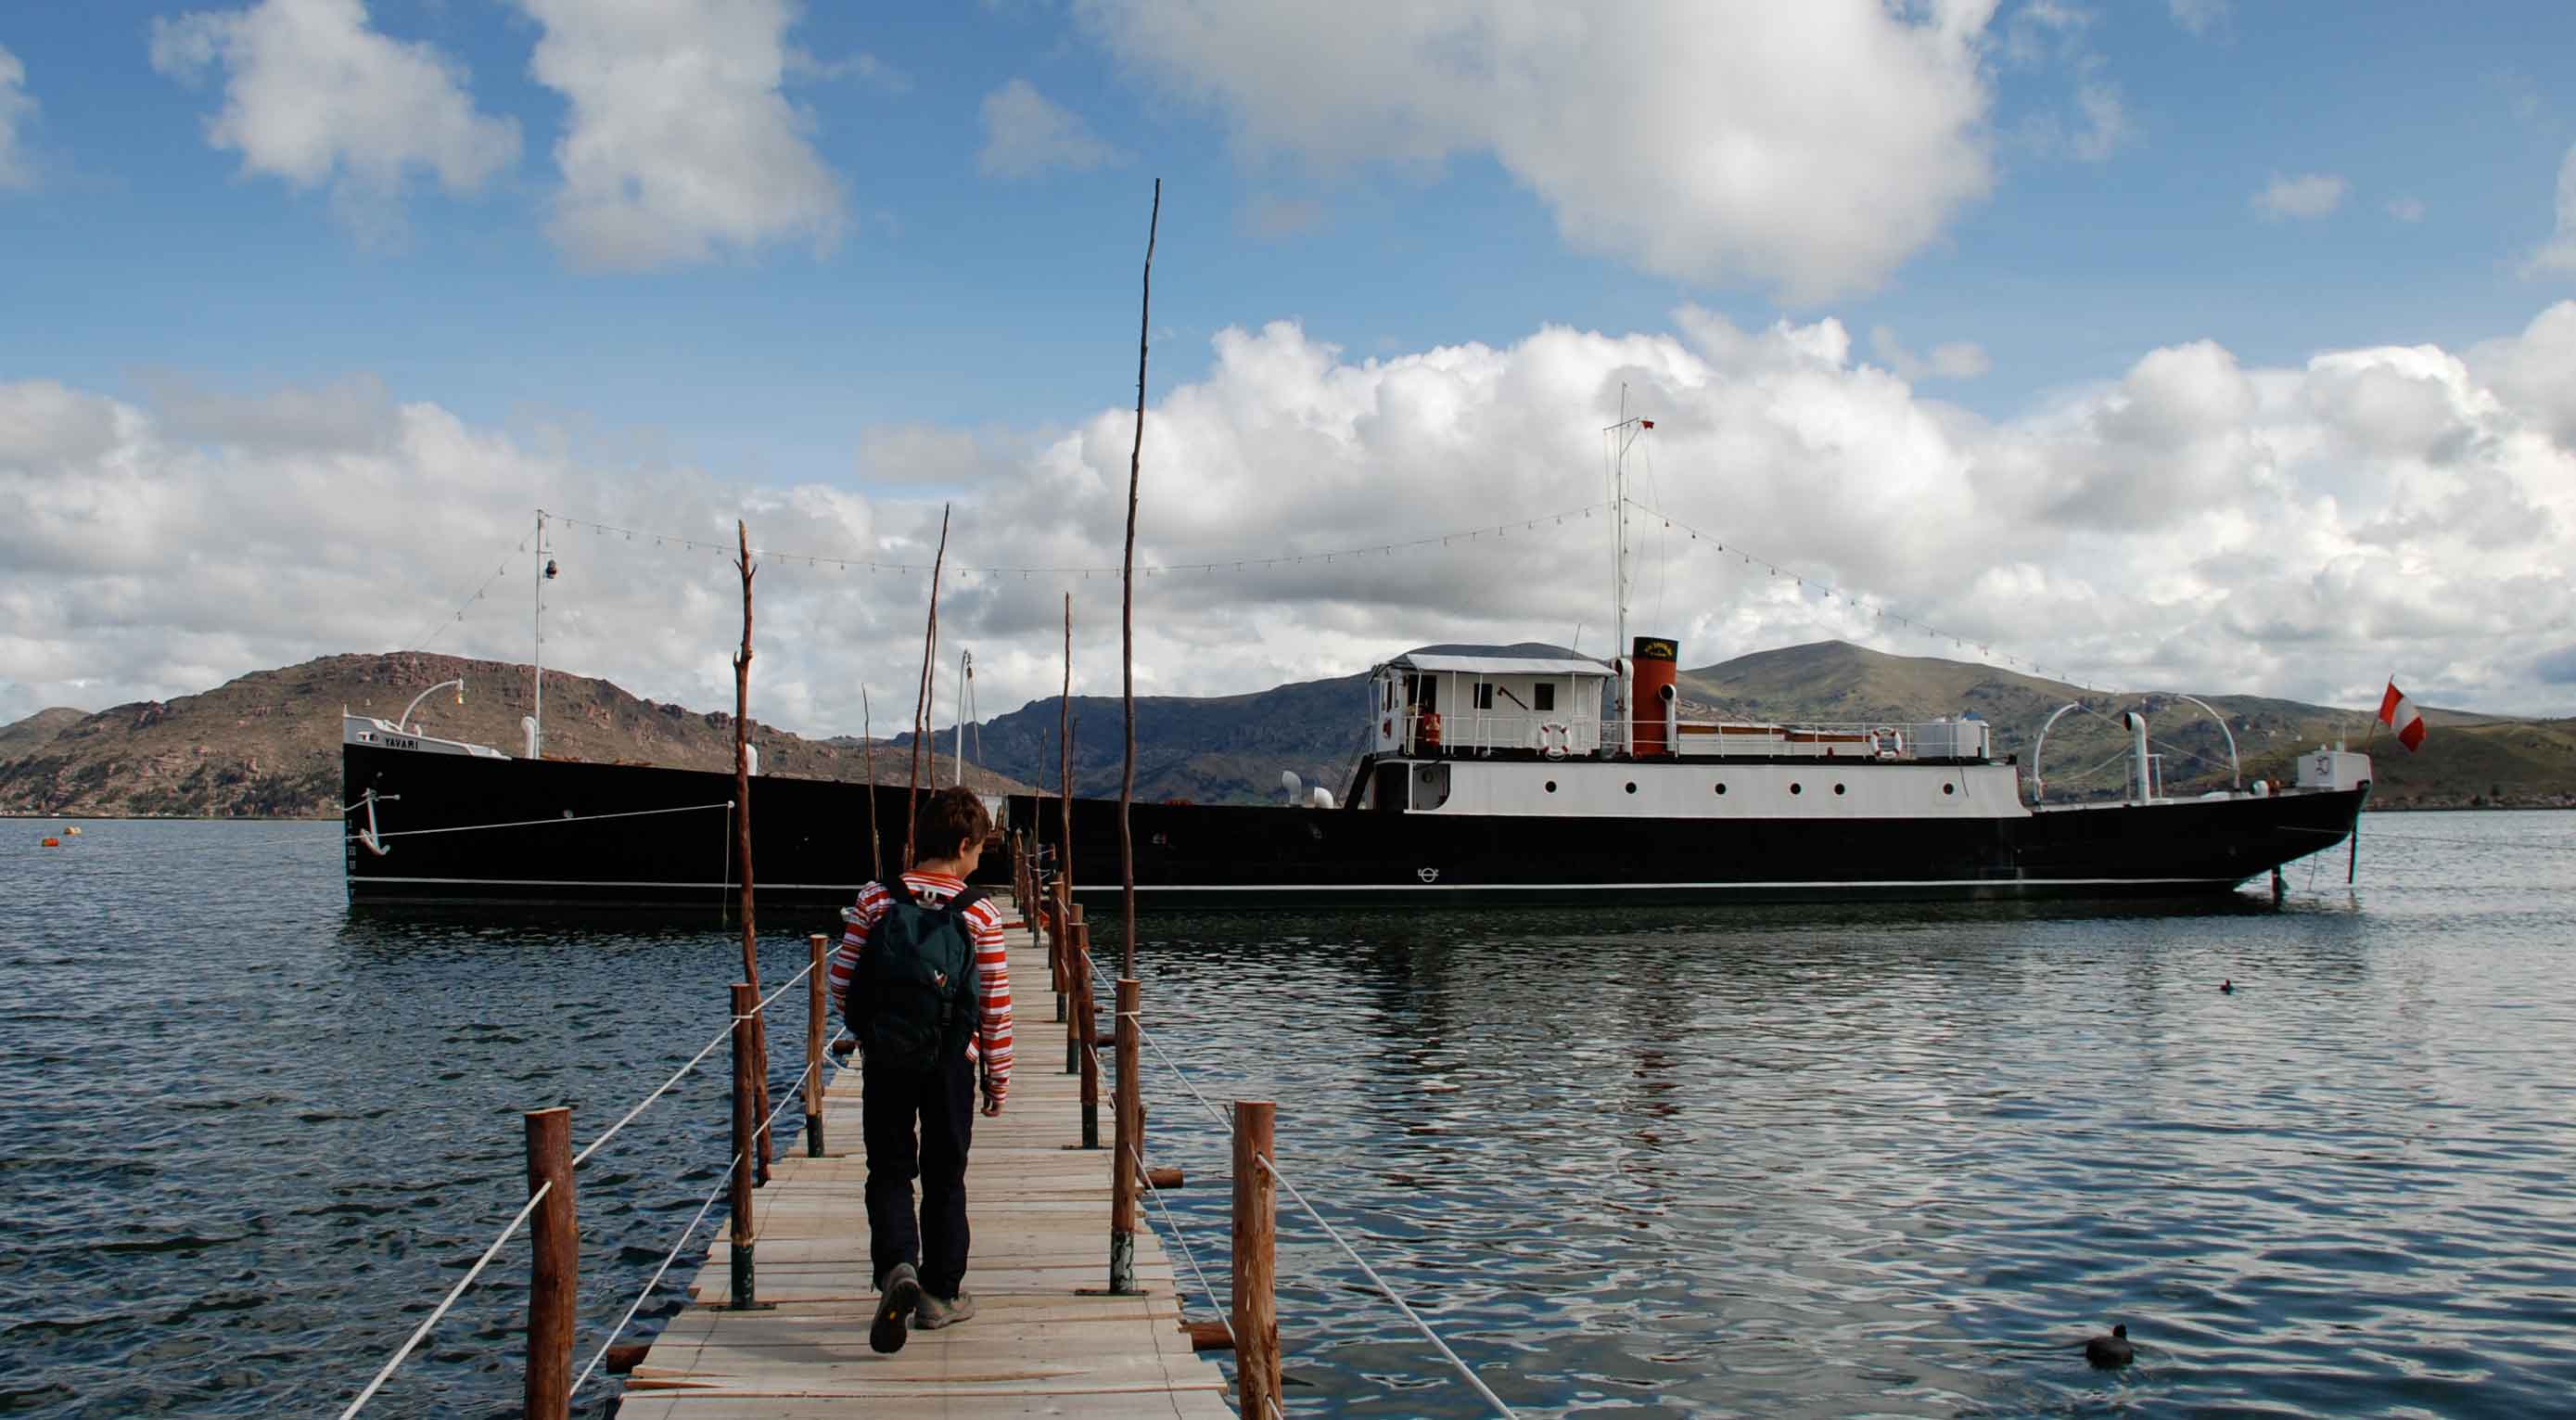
(926, 988)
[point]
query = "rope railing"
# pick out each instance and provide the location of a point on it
(1225, 1120)
(453, 1293)
(546, 822)
(733, 1025)
(664, 1088)
(722, 1180)
(673, 1256)
(1389, 1292)
(1182, 1241)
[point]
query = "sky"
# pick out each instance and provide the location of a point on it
(2192, 345)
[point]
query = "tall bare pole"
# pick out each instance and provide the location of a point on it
(742, 818)
(1064, 746)
(921, 706)
(1127, 607)
(868, 739)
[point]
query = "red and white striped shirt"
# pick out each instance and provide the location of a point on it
(991, 1043)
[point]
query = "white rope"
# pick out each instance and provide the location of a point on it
(1409, 1314)
(544, 822)
(370, 797)
(459, 1290)
(721, 1037)
(790, 983)
(722, 1181)
(1224, 1120)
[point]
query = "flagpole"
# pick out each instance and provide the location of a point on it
(2374, 718)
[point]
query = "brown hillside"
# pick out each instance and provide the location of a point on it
(268, 744)
(27, 735)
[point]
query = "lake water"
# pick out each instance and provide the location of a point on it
(1894, 1161)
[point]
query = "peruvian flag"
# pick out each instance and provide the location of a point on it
(2399, 713)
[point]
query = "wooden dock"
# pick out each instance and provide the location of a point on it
(1042, 1343)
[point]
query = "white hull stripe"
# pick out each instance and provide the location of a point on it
(1352, 887)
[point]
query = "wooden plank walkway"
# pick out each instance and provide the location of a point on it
(1040, 1214)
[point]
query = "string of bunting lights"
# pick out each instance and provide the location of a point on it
(421, 643)
(1239, 564)
(1833, 593)
(1738, 551)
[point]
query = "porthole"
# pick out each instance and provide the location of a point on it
(1949, 788)
(1797, 788)
(1721, 788)
(1838, 788)
(1632, 786)
(1551, 786)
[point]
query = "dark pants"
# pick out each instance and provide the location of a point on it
(943, 1101)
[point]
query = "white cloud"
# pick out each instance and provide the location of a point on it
(2198, 523)
(682, 143)
(16, 107)
(2199, 17)
(1952, 360)
(1026, 133)
(2046, 31)
(2307, 195)
(315, 95)
(2559, 252)
(2406, 209)
(1810, 147)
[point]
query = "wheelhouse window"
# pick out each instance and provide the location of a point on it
(1484, 695)
(1543, 697)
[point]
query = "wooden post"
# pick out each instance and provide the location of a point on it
(742, 819)
(1074, 957)
(554, 1267)
(1128, 1168)
(921, 706)
(746, 1066)
(1072, 916)
(1086, 1038)
(817, 1021)
(1256, 1261)
(1127, 612)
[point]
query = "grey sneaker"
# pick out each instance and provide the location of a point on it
(894, 1306)
(933, 1313)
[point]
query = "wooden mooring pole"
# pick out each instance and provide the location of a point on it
(1127, 1170)
(554, 1267)
(816, 1023)
(1074, 960)
(1086, 1027)
(1061, 920)
(1256, 1262)
(746, 1071)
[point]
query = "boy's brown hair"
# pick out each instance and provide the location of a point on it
(949, 820)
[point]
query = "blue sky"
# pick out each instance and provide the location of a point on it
(956, 206)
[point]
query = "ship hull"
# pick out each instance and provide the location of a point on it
(557, 833)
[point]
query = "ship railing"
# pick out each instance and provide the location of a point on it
(549, 1211)
(1247, 1324)
(1473, 732)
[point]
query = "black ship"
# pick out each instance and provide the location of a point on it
(1491, 775)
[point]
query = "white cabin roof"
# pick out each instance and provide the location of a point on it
(1522, 658)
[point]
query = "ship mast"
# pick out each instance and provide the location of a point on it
(537, 653)
(1624, 434)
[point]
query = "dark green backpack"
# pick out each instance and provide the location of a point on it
(913, 998)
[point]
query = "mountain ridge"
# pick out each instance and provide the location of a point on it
(266, 744)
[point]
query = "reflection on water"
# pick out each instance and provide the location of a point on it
(1778, 1161)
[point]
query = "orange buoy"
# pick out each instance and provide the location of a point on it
(53, 843)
